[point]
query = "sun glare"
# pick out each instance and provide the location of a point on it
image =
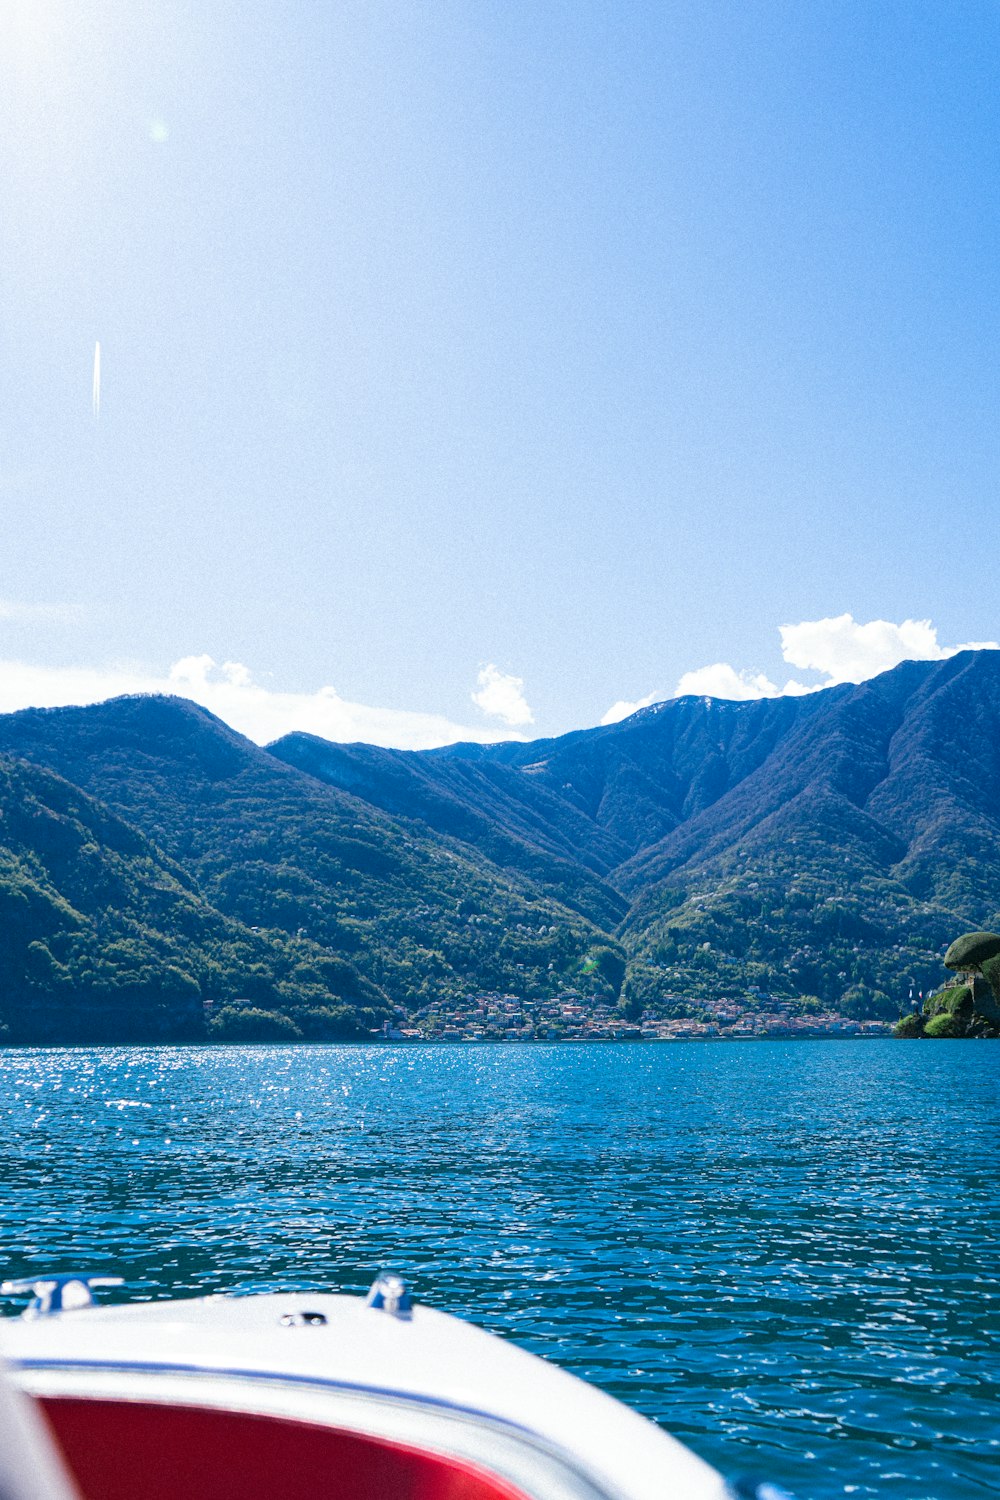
(32, 31)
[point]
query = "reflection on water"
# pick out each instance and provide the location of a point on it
(784, 1251)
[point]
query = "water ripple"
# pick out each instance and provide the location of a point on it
(784, 1252)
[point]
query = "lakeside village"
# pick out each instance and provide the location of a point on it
(492, 1017)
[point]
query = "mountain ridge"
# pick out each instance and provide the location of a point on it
(830, 844)
(275, 849)
(680, 787)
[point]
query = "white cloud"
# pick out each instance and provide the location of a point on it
(501, 696)
(622, 709)
(839, 647)
(258, 712)
(720, 680)
(236, 673)
(845, 651)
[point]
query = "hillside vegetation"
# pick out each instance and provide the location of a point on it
(393, 912)
(163, 875)
(969, 1008)
(829, 845)
(102, 938)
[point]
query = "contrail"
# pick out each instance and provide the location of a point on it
(97, 380)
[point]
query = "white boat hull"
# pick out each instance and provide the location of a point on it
(439, 1407)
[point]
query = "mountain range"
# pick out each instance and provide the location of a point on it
(157, 868)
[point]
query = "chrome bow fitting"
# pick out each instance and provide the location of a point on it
(66, 1292)
(390, 1294)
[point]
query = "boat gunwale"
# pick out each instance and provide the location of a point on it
(540, 1468)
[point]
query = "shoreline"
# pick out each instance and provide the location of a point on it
(453, 1042)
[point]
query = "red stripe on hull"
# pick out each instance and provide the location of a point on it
(123, 1450)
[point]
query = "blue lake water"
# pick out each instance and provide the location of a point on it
(786, 1252)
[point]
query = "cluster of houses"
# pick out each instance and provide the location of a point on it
(753, 1023)
(565, 1017)
(509, 1018)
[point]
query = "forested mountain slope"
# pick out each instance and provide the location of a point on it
(830, 844)
(103, 938)
(517, 823)
(845, 863)
(416, 913)
(596, 796)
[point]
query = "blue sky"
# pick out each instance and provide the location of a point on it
(543, 352)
